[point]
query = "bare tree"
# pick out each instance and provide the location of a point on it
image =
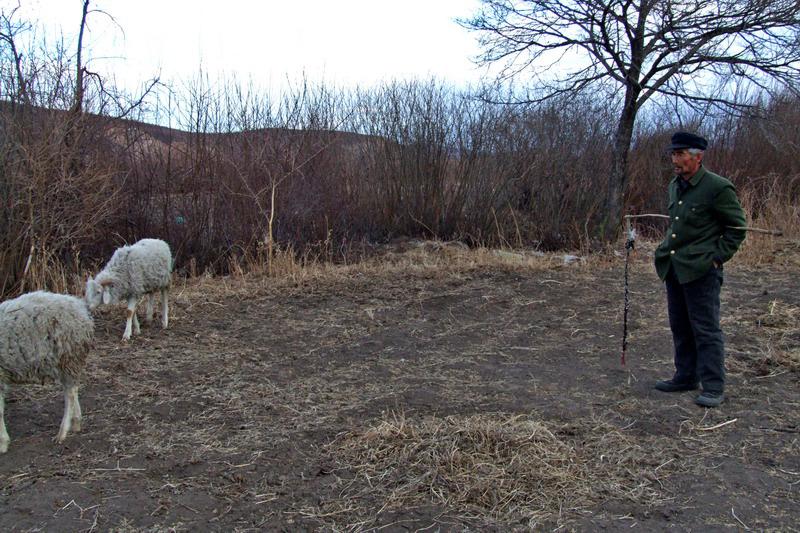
(9, 29)
(685, 49)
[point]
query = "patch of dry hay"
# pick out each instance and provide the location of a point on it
(781, 324)
(495, 467)
(425, 260)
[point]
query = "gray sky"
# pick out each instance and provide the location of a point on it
(340, 42)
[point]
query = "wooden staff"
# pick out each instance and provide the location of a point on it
(777, 233)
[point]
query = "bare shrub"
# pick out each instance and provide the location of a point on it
(55, 196)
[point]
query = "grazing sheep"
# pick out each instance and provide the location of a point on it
(43, 337)
(134, 271)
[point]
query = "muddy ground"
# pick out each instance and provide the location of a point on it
(435, 389)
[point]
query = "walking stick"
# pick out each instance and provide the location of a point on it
(775, 232)
(629, 245)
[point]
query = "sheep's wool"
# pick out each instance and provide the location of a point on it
(44, 336)
(138, 269)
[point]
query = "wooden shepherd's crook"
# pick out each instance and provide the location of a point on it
(629, 244)
(777, 233)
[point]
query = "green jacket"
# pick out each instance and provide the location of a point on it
(700, 231)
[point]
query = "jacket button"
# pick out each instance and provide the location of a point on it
(680, 202)
(677, 218)
(673, 235)
(672, 252)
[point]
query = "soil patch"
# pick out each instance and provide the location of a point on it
(442, 389)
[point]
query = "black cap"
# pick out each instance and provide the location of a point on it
(684, 139)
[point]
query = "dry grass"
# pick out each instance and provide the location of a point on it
(776, 210)
(780, 325)
(508, 468)
(43, 270)
(426, 258)
(413, 258)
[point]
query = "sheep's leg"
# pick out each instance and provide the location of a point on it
(4, 438)
(148, 316)
(164, 307)
(66, 420)
(76, 410)
(136, 328)
(131, 315)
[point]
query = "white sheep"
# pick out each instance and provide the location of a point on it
(43, 337)
(134, 271)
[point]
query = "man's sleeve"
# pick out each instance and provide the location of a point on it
(730, 213)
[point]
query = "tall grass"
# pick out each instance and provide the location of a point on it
(771, 202)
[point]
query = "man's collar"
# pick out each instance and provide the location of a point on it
(694, 180)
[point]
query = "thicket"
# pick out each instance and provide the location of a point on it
(231, 176)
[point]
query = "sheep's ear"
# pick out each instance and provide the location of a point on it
(106, 294)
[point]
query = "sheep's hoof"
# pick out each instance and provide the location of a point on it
(59, 438)
(76, 426)
(126, 338)
(4, 446)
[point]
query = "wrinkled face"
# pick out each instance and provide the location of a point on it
(96, 294)
(686, 164)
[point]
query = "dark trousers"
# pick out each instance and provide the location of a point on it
(696, 335)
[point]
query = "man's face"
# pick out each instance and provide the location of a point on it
(685, 164)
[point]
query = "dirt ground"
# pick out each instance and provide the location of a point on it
(435, 389)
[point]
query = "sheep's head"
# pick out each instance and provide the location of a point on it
(98, 292)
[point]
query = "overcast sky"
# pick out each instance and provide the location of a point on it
(341, 42)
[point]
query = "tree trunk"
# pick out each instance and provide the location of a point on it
(71, 134)
(618, 175)
(77, 102)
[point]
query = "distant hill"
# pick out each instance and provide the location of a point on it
(155, 140)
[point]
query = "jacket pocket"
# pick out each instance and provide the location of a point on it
(700, 257)
(697, 214)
